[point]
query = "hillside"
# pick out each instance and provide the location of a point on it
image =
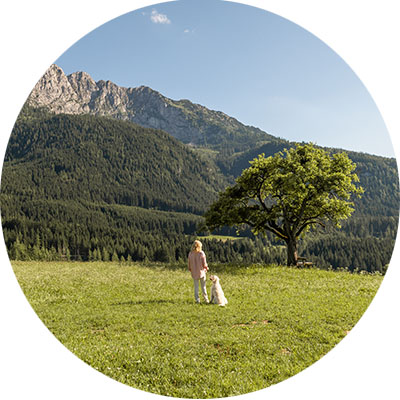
(88, 187)
(96, 159)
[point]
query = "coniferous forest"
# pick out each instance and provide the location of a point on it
(80, 187)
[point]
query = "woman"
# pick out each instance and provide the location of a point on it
(198, 267)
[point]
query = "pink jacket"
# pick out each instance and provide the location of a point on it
(197, 264)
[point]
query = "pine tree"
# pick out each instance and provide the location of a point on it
(105, 255)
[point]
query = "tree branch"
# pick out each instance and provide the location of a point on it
(274, 228)
(307, 223)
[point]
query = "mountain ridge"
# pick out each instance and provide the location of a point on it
(190, 123)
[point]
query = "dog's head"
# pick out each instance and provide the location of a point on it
(214, 278)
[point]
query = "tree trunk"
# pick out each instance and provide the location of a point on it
(291, 252)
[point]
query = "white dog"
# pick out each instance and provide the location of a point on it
(217, 294)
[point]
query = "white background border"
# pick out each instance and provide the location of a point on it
(35, 365)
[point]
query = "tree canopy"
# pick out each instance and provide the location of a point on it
(289, 193)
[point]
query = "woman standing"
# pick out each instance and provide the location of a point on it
(198, 267)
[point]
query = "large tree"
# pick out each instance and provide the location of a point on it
(289, 193)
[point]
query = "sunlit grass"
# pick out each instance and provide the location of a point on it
(139, 325)
(223, 238)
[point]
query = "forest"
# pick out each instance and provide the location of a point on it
(95, 188)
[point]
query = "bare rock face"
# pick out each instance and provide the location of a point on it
(54, 92)
(78, 93)
(83, 85)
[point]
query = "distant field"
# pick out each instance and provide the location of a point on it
(139, 325)
(221, 237)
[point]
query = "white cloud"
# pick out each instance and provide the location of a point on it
(158, 18)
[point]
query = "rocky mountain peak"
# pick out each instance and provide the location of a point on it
(192, 123)
(83, 85)
(54, 91)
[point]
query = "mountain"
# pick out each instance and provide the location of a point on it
(190, 123)
(88, 174)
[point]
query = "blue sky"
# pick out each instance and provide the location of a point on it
(251, 64)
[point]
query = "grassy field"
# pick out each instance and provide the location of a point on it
(221, 237)
(139, 325)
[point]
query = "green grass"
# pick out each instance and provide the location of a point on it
(222, 238)
(139, 325)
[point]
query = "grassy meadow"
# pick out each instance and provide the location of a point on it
(139, 324)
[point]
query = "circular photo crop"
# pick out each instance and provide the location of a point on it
(199, 199)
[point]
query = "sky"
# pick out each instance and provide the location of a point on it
(253, 65)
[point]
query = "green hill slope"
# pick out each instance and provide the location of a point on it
(81, 157)
(89, 187)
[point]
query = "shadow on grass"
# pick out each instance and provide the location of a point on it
(150, 301)
(215, 268)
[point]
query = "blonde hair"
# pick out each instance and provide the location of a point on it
(197, 245)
